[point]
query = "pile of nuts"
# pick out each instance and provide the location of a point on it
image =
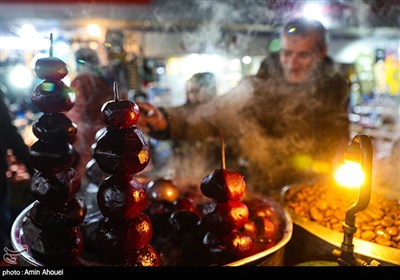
(327, 205)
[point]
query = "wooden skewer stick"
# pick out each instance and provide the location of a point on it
(116, 92)
(223, 164)
(51, 45)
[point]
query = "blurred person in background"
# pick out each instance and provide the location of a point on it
(287, 124)
(93, 86)
(120, 64)
(169, 153)
(200, 88)
(15, 168)
(92, 90)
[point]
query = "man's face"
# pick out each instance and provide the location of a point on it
(300, 57)
(197, 94)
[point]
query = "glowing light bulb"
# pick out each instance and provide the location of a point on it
(21, 76)
(350, 174)
(246, 59)
(94, 30)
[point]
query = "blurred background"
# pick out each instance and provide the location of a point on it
(154, 49)
(160, 44)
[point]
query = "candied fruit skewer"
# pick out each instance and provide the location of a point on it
(222, 184)
(125, 230)
(58, 212)
(229, 215)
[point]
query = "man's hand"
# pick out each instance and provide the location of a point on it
(151, 118)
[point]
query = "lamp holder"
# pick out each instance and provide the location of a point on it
(360, 149)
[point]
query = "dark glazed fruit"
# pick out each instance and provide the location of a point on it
(53, 97)
(50, 68)
(51, 157)
(47, 248)
(265, 211)
(121, 197)
(55, 127)
(55, 189)
(182, 220)
(120, 113)
(162, 190)
(238, 244)
(186, 204)
(226, 217)
(146, 256)
(110, 239)
(224, 185)
(120, 238)
(65, 216)
(122, 150)
(138, 233)
(230, 247)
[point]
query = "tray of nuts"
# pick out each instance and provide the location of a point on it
(321, 208)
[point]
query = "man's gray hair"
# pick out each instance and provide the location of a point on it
(303, 26)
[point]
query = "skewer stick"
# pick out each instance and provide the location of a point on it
(223, 164)
(51, 45)
(116, 92)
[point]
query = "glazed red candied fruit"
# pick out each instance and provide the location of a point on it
(51, 68)
(146, 256)
(51, 157)
(47, 248)
(118, 238)
(55, 127)
(122, 150)
(224, 185)
(53, 97)
(121, 197)
(162, 189)
(226, 217)
(67, 215)
(120, 113)
(55, 188)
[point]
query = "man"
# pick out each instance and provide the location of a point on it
(285, 125)
(201, 88)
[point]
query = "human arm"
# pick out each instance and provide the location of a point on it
(166, 123)
(194, 122)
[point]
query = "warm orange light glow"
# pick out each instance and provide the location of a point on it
(143, 156)
(350, 174)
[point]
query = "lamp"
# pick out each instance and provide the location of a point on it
(360, 150)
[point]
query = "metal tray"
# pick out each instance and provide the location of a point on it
(22, 231)
(333, 239)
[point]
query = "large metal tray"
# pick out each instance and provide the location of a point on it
(23, 230)
(323, 239)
